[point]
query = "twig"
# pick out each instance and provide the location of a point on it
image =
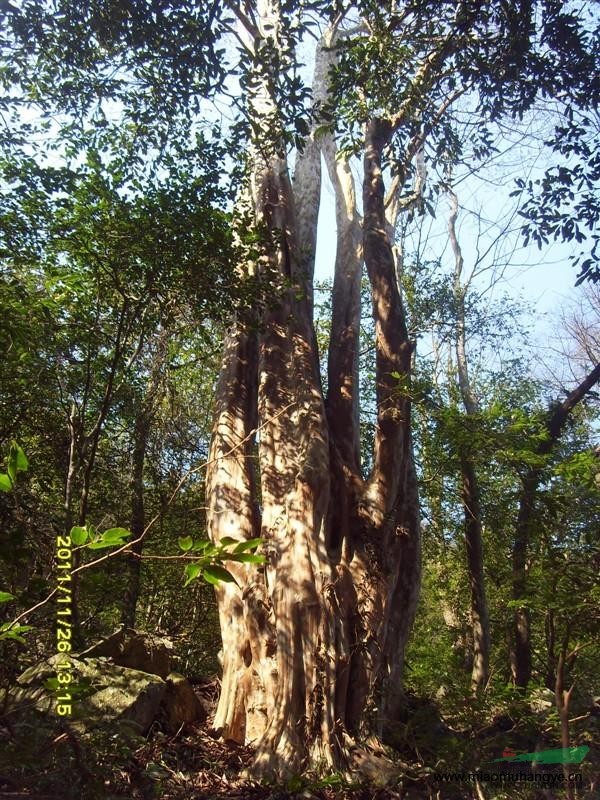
(157, 516)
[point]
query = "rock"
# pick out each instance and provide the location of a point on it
(541, 700)
(379, 771)
(136, 650)
(102, 692)
(180, 705)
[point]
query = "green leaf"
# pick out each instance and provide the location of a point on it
(113, 537)
(79, 535)
(92, 533)
(191, 572)
(17, 460)
(214, 574)
(115, 534)
(249, 544)
(227, 540)
(21, 461)
(101, 545)
(9, 631)
(199, 546)
(6, 597)
(247, 558)
(185, 543)
(5, 482)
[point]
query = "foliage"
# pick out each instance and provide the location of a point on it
(564, 204)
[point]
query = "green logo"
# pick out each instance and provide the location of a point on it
(563, 755)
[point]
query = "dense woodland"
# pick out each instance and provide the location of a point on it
(364, 510)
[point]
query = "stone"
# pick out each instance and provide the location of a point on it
(180, 704)
(541, 700)
(102, 692)
(136, 650)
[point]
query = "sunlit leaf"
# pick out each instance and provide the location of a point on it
(115, 534)
(191, 572)
(79, 535)
(215, 574)
(249, 544)
(247, 558)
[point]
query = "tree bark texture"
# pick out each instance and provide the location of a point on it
(314, 641)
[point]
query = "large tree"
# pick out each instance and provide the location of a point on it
(314, 641)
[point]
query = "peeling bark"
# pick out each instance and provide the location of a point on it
(233, 511)
(318, 633)
(276, 626)
(386, 567)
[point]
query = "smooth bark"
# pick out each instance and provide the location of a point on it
(563, 699)
(145, 413)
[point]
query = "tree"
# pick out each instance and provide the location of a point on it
(470, 484)
(314, 642)
(554, 425)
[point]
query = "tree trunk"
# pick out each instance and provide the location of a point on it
(470, 486)
(133, 566)
(73, 470)
(387, 572)
(310, 637)
(550, 649)
(474, 545)
(145, 413)
(84, 447)
(521, 654)
(563, 700)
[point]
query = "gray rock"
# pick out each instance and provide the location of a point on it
(136, 650)
(101, 692)
(541, 700)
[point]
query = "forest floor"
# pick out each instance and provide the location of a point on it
(192, 765)
(43, 761)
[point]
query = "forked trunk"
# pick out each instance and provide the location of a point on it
(312, 637)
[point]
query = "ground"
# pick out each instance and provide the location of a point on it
(42, 760)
